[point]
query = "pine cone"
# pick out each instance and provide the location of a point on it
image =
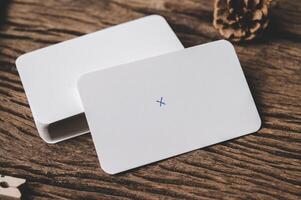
(241, 20)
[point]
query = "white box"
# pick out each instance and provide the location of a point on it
(49, 75)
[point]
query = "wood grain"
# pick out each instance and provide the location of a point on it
(263, 165)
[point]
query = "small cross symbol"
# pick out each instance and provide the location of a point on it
(161, 102)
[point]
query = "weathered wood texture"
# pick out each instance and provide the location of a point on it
(263, 165)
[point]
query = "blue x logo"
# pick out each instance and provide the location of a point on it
(161, 102)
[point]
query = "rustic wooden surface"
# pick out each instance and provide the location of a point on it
(263, 165)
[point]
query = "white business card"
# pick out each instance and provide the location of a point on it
(160, 107)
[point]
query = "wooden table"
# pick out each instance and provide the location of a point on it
(263, 165)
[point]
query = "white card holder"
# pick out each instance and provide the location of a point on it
(49, 75)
